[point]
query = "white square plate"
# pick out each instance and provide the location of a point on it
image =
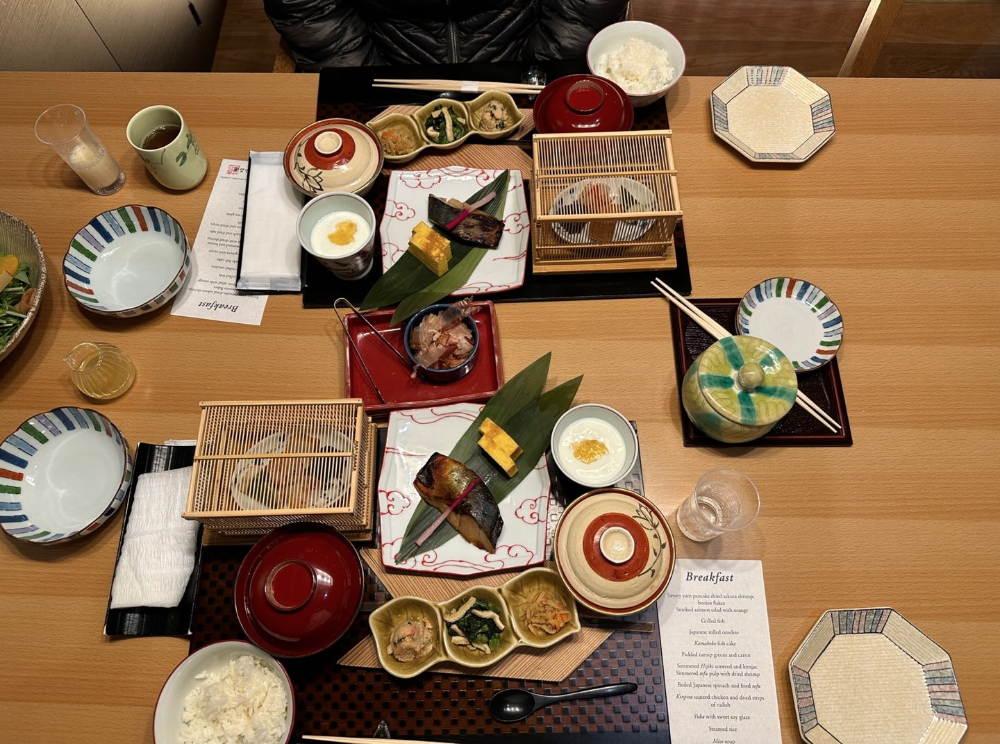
(412, 437)
(406, 204)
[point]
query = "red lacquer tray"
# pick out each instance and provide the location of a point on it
(402, 391)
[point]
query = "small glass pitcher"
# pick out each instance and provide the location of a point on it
(100, 370)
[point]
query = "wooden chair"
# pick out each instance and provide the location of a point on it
(870, 38)
(283, 61)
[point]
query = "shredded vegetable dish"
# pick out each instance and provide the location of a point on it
(16, 296)
(546, 614)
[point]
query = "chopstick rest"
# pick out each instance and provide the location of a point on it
(158, 550)
(270, 257)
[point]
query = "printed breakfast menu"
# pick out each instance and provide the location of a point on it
(717, 660)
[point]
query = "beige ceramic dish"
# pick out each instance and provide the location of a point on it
(615, 551)
(388, 616)
(469, 111)
(519, 592)
(17, 238)
(510, 599)
(867, 676)
(477, 659)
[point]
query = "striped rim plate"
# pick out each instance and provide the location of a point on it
(772, 114)
(63, 474)
(868, 675)
(796, 316)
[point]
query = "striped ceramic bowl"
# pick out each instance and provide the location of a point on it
(63, 474)
(127, 261)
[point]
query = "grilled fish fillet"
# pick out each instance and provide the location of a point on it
(441, 481)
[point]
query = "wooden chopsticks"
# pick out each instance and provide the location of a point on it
(718, 331)
(461, 86)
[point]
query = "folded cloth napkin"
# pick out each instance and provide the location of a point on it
(159, 546)
(270, 255)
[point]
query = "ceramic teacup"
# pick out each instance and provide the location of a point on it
(177, 163)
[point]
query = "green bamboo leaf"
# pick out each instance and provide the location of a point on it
(531, 427)
(515, 394)
(408, 276)
(512, 396)
(453, 280)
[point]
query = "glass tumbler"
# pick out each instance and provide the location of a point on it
(64, 128)
(725, 500)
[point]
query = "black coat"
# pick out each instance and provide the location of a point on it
(346, 33)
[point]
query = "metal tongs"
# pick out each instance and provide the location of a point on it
(463, 309)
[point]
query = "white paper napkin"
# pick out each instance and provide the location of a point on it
(271, 257)
(159, 546)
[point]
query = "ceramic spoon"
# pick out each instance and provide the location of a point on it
(509, 706)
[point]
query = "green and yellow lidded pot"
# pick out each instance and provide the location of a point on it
(739, 388)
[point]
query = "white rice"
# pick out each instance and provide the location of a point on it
(244, 703)
(637, 66)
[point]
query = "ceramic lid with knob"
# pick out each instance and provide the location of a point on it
(333, 155)
(582, 103)
(614, 550)
(299, 589)
(747, 380)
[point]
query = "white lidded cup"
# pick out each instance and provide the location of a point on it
(349, 265)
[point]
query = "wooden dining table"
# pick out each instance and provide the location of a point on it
(897, 218)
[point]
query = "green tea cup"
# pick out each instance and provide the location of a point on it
(167, 146)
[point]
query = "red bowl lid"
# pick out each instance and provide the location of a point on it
(299, 589)
(582, 103)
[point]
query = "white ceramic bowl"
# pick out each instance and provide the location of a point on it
(615, 36)
(127, 261)
(615, 420)
(167, 723)
(352, 266)
(63, 474)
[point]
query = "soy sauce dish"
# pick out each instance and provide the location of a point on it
(458, 347)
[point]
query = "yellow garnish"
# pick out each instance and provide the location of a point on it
(9, 263)
(499, 446)
(589, 450)
(343, 233)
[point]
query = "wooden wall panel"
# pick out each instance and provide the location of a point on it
(720, 35)
(158, 35)
(943, 39)
(50, 35)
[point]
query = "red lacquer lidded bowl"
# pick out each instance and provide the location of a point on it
(582, 103)
(299, 590)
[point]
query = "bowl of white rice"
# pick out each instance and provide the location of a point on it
(644, 59)
(226, 693)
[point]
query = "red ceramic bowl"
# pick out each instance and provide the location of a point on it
(582, 103)
(299, 590)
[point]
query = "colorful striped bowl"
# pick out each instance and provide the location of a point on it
(796, 316)
(127, 261)
(63, 474)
